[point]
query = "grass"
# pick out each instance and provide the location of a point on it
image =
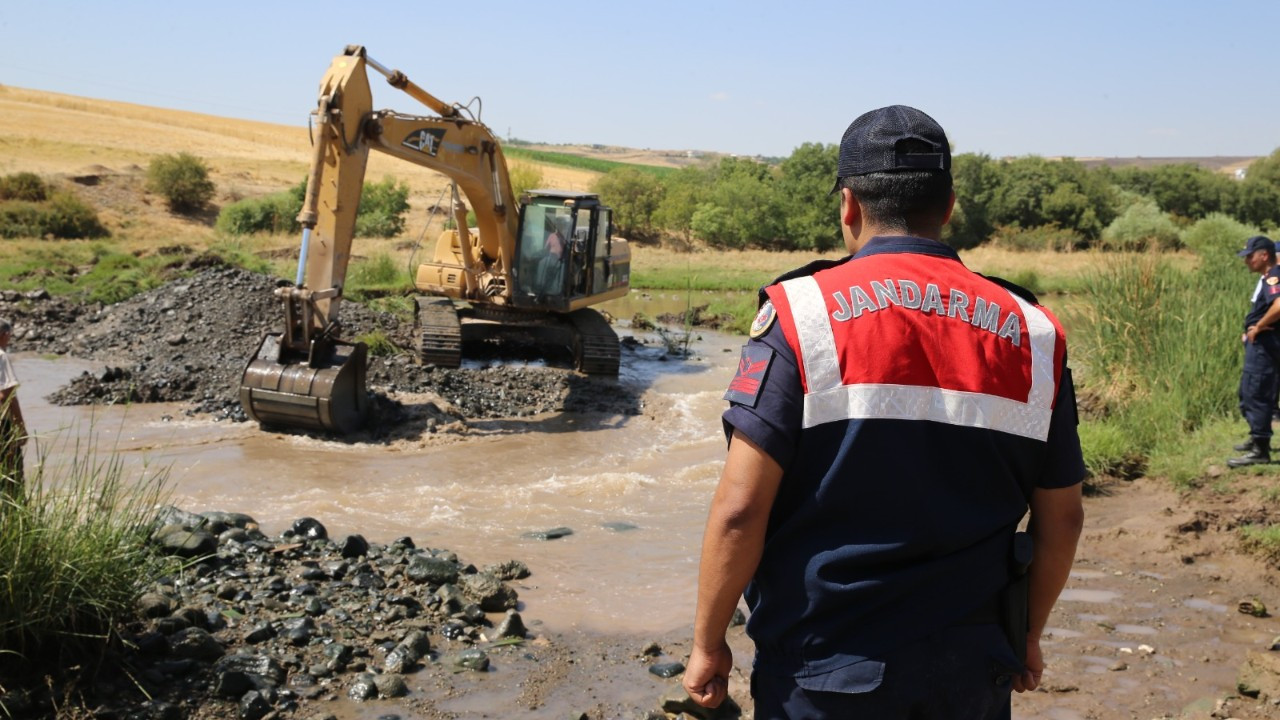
(73, 554)
(1262, 540)
(579, 162)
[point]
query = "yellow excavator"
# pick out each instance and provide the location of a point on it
(531, 265)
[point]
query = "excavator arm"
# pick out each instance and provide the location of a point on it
(305, 376)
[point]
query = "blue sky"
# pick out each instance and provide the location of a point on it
(1117, 78)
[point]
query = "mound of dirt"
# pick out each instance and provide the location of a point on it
(189, 341)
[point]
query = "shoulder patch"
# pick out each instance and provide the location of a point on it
(753, 366)
(1273, 280)
(764, 319)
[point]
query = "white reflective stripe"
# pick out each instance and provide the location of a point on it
(813, 330)
(913, 402)
(1044, 339)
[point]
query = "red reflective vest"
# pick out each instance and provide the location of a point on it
(910, 336)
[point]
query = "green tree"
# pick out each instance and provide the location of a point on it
(682, 193)
(634, 196)
(1183, 189)
(976, 178)
(803, 187)
(183, 181)
(743, 208)
(1257, 199)
(1034, 191)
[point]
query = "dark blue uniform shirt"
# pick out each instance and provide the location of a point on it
(1268, 292)
(883, 531)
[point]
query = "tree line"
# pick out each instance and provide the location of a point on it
(1026, 202)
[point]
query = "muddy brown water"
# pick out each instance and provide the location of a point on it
(634, 489)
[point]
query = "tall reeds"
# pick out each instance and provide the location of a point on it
(1158, 348)
(73, 551)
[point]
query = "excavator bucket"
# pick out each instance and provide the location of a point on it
(325, 391)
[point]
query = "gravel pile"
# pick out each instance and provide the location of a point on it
(189, 341)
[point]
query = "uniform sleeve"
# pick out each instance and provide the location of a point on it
(8, 379)
(771, 411)
(1065, 461)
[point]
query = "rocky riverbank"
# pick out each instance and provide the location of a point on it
(189, 341)
(303, 625)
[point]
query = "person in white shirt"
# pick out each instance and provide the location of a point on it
(13, 430)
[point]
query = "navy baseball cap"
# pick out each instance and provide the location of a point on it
(1256, 243)
(874, 143)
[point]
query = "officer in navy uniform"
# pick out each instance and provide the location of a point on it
(893, 417)
(1260, 379)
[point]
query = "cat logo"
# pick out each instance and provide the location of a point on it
(426, 141)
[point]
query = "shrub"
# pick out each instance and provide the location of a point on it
(23, 186)
(379, 269)
(73, 554)
(62, 216)
(378, 343)
(1140, 227)
(66, 216)
(381, 212)
(183, 181)
(382, 208)
(1043, 237)
(276, 213)
(1217, 237)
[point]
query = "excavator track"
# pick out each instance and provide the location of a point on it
(440, 341)
(595, 343)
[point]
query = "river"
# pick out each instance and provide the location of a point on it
(633, 489)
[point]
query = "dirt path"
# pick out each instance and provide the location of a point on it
(1148, 626)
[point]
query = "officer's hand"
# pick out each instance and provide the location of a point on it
(1030, 678)
(706, 678)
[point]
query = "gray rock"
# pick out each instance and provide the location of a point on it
(451, 598)
(309, 528)
(338, 651)
(511, 626)
(666, 670)
(171, 625)
(491, 593)
(434, 571)
(390, 685)
(362, 687)
(619, 526)
(472, 659)
(190, 544)
(418, 640)
(260, 671)
(253, 706)
(261, 632)
(552, 534)
(230, 519)
(154, 605)
(171, 515)
(509, 570)
(228, 590)
(400, 659)
(353, 546)
(195, 644)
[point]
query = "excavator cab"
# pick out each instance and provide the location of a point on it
(564, 251)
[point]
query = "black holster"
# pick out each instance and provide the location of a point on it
(1013, 611)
